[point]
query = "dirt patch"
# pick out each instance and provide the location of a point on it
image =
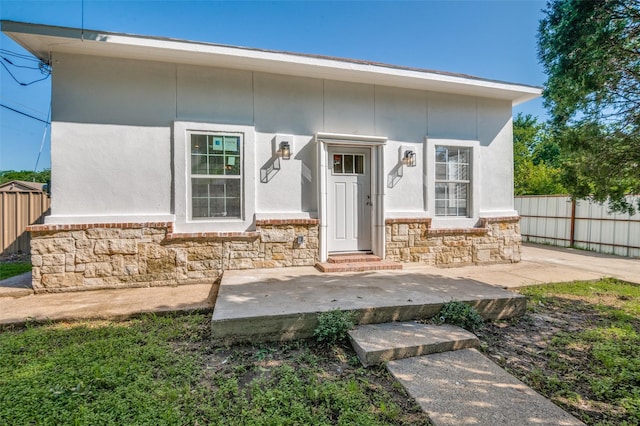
(531, 348)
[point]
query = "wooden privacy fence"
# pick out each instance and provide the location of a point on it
(556, 220)
(19, 210)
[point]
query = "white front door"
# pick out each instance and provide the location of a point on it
(349, 199)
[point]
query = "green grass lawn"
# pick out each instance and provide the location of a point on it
(594, 367)
(10, 269)
(164, 371)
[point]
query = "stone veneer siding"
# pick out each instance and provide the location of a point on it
(117, 255)
(497, 240)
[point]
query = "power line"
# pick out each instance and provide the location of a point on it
(18, 81)
(19, 66)
(18, 55)
(24, 113)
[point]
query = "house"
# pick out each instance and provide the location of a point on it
(22, 186)
(175, 160)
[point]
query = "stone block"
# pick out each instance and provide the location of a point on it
(70, 262)
(240, 264)
(303, 262)
(51, 281)
(53, 259)
(78, 235)
(85, 244)
(277, 235)
(129, 233)
(203, 265)
(483, 255)
(116, 247)
(52, 245)
(98, 270)
(201, 253)
(103, 233)
(52, 269)
(36, 260)
(86, 256)
(162, 265)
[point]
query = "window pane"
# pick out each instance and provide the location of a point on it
(199, 164)
(337, 163)
(215, 197)
(360, 164)
(232, 165)
(348, 163)
(198, 144)
(462, 172)
(463, 156)
(453, 174)
(216, 165)
(232, 145)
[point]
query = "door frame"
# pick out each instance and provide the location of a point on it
(376, 145)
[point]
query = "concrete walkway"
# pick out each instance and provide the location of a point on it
(466, 388)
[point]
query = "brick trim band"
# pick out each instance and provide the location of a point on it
(83, 226)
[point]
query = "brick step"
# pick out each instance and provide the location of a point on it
(378, 343)
(381, 265)
(353, 258)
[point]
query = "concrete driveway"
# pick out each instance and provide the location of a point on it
(543, 264)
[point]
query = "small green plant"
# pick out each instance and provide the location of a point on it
(462, 315)
(333, 326)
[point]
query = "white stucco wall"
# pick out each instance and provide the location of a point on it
(114, 152)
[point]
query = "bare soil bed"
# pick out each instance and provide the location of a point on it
(542, 350)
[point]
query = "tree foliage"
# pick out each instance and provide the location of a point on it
(536, 159)
(591, 53)
(25, 175)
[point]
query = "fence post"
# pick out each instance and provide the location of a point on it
(572, 237)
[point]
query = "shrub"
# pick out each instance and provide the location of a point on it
(462, 315)
(333, 325)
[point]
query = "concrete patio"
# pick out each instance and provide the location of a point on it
(283, 304)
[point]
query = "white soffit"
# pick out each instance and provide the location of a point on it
(42, 40)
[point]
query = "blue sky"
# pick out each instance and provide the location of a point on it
(490, 39)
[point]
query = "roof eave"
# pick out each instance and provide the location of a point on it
(42, 40)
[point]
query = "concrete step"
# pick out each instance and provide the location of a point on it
(378, 343)
(353, 258)
(464, 387)
(363, 266)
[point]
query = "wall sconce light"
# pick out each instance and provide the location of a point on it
(285, 150)
(409, 158)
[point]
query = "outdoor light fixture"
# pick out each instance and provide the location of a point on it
(409, 158)
(285, 150)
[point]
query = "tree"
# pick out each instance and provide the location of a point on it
(26, 175)
(536, 159)
(590, 51)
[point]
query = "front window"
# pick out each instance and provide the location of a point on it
(216, 176)
(453, 181)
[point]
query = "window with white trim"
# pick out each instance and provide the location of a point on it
(453, 181)
(216, 175)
